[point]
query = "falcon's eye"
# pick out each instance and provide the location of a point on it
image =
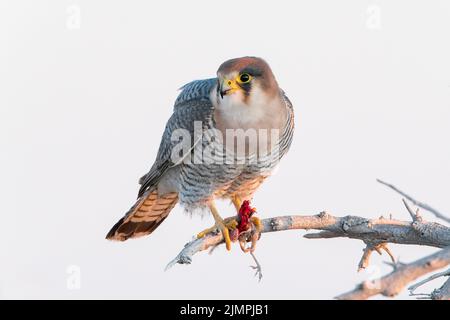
(245, 78)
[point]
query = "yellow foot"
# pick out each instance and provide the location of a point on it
(230, 223)
(225, 226)
(222, 225)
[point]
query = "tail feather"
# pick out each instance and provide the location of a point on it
(144, 217)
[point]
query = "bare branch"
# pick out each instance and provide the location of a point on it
(375, 233)
(395, 264)
(431, 278)
(379, 230)
(393, 283)
(365, 259)
(443, 293)
(414, 215)
(388, 251)
(417, 203)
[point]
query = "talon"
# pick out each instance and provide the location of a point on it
(205, 232)
(257, 222)
(226, 237)
(231, 223)
(222, 225)
(233, 228)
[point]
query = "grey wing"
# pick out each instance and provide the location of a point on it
(195, 90)
(193, 104)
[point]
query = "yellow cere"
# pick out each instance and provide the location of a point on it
(232, 84)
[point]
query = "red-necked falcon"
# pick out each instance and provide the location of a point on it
(244, 99)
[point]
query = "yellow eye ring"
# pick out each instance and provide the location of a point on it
(244, 78)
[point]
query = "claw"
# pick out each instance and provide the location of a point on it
(226, 237)
(224, 229)
(243, 228)
(257, 222)
(205, 232)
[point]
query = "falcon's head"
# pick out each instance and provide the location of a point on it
(245, 82)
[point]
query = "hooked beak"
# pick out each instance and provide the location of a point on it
(227, 86)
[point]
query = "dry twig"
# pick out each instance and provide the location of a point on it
(417, 203)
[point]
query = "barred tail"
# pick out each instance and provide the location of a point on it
(144, 217)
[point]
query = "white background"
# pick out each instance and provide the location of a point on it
(84, 100)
